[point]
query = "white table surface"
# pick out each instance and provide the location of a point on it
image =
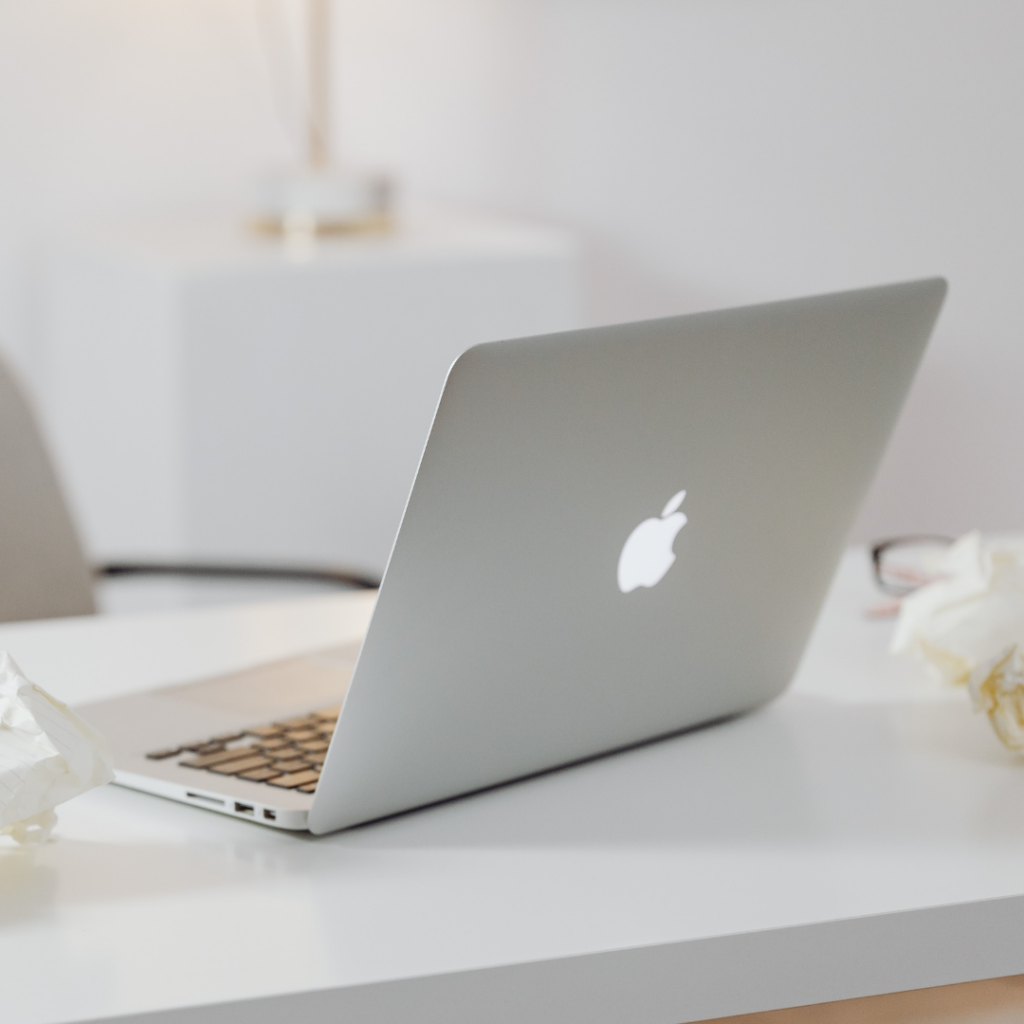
(863, 834)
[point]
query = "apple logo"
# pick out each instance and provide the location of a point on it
(647, 554)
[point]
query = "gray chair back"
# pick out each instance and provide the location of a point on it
(43, 571)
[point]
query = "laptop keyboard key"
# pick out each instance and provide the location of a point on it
(206, 760)
(295, 723)
(292, 766)
(260, 774)
(243, 765)
(273, 744)
(159, 755)
(264, 731)
(295, 779)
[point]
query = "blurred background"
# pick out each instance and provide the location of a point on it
(556, 163)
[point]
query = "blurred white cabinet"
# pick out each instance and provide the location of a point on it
(212, 393)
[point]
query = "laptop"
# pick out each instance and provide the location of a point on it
(614, 535)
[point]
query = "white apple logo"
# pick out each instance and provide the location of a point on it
(647, 554)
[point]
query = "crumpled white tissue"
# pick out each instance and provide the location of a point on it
(968, 628)
(47, 756)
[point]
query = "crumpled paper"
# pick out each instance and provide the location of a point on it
(47, 756)
(968, 628)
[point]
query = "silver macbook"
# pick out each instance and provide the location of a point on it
(614, 535)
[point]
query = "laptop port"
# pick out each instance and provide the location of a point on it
(243, 808)
(269, 814)
(204, 798)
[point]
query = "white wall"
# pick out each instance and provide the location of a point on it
(712, 152)
(117, 107)
(727, 151)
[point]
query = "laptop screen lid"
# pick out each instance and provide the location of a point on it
(616, 534)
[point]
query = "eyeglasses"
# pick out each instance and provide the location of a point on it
(903, 564)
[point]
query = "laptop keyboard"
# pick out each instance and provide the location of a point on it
(287, 754)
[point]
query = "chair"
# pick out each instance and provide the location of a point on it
(43, 570)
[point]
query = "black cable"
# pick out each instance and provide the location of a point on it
(338, 577)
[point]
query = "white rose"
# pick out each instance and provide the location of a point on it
(47, 756)
(968, 628)
(997, 688)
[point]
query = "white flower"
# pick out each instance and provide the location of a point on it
(47, 755)
(968, 628)
(973, 613)
(997, 688)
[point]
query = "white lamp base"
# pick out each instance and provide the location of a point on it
(309, 201)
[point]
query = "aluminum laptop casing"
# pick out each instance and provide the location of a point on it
(501, 644)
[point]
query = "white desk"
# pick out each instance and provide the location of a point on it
(856, 837)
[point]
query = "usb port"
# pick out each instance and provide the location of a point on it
(243, 808)
(269, 814)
